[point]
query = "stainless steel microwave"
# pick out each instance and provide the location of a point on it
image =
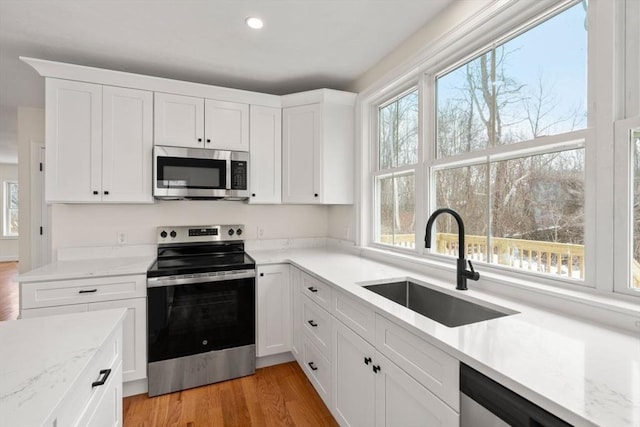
(196, 173)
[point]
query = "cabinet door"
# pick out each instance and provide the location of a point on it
(226, 125)
(274, 310)
(402, 402)
(74, 141)
(106, 409)
(134, 339)
(353, 378)
(296, 313)
(127, 144)
(301, 154)
(178, 120)
(266, 155)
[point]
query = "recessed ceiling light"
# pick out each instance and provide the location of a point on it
(255, 23)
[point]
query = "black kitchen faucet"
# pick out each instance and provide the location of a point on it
(462, 273)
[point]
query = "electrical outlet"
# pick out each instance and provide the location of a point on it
(260, 232)
(121, 238)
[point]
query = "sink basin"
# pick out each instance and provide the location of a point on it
(438, 306)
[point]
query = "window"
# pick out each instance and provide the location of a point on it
(10, 208)
(395, 174)
(635, 211)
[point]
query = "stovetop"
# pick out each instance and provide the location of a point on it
(199, 249)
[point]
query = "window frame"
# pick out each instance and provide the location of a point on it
(6, 227)
(496, 23)
(623, 194)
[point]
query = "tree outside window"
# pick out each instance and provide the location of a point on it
(10, 208)
(523, 207)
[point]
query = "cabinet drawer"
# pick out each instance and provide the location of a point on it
(78, 291)
(317, 368)
(317, 325)
(355, 315)
(316, 290)
(105, 406)
(82, 391)
(430, 366)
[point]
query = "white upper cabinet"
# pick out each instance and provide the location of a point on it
(187, 121)
(98, 143)
(226, 125)
(127, 145)
(265, 155)
(73, 141)
(318, 144)
(179, 120)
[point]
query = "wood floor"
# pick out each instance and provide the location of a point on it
(9, 290)
(278, 395)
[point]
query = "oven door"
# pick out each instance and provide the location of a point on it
(191, 172)
(193, 318)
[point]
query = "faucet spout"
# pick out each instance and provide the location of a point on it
(461, 267)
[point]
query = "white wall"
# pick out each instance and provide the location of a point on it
(342, 223)
(8, 245)
(98, 225)
(30, 128)
(443, 23)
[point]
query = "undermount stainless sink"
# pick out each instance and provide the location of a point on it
(438, 306)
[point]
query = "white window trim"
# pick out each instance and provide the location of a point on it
(623, 202)
(462, 42)
(5, 210)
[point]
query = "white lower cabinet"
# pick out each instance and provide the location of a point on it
(402, 402)
(101, 293)
(353, 378)
(273, 310)
(381, 374)
(105, 409)
(295, 277)
(134, 352)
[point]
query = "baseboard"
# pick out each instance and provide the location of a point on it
(8, 258)
(274, 359)
(131, 388)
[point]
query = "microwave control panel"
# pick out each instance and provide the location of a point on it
(238, 175)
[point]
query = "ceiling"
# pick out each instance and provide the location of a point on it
(305, 44)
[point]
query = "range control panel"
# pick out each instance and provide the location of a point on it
(199, 233)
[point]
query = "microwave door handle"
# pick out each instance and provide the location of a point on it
(228, 174)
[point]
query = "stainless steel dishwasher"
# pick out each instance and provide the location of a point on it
(485, 403)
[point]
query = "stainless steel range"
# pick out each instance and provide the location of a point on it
(201, 308)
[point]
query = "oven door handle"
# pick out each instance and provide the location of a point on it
(189, 279)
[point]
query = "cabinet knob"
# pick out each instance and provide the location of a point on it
(106, 193)
(312, 366)
(253, 194)
(261, 274)
(95, 193)
(315, 195)
(376, 368)
(199, 139)
(312, 289)
(312, 323)
(208, 141)
(367, 360)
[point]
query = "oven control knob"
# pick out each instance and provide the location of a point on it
(231, 232)
(239, 231)
(173, 234)
(163, 234)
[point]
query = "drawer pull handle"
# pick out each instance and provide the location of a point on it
(104, 373)
(376, 368)
(312, 366)
(312, 323)
(312, 289)
(367, 360)
(87, 291)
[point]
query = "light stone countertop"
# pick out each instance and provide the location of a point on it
(42, 358)
(582, 372)
(88, 268)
